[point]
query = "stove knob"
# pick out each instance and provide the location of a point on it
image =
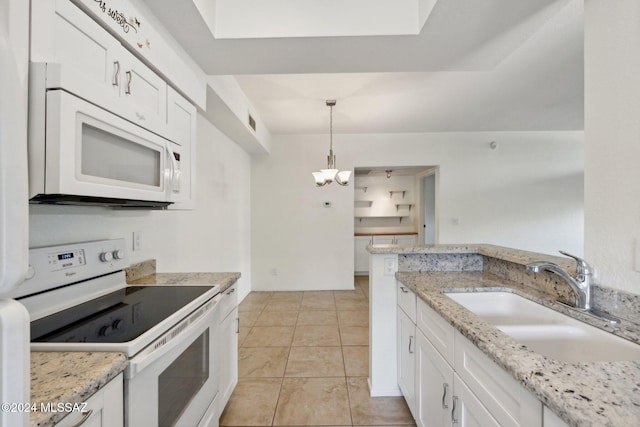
(105, 331)
(119, 254)
(118, 324)
(106, 256)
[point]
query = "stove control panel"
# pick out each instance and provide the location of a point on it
(54, 266)
(62, 260)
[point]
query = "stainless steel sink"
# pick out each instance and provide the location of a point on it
(545, 330)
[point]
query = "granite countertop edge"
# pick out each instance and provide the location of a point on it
(516, 256)
(76, 377)
(582, 394)
(223, 279)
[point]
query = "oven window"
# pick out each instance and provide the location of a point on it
(182, 380)
(106, 155)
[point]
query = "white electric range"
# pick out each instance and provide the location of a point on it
(78, 300)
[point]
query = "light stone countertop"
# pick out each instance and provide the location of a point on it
(225, 280)
(516, 256)
(69, 377)
(582, 394)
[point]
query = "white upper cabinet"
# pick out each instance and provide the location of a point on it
(181, 118)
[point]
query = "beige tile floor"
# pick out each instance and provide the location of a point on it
(303, 361)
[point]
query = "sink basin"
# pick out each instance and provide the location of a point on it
(544, 330)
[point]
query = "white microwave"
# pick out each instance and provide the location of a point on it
(86, 155)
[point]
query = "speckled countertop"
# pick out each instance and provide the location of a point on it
(223, 279)
(582, 394)
(517, 256)
(69, 377)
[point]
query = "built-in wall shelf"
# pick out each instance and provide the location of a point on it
(399, 217)
(403, 206)
(392, 192)
(364, 189)
(362, 203)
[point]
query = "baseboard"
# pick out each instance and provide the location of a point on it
(383, 393)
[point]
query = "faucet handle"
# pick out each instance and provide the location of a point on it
(582, 268)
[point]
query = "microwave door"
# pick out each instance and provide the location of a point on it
(93, 153)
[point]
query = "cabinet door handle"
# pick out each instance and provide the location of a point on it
(410, 342)
(454, 420)
(237, 325)
(404, 290)
(445, 387)
(231, 291)
(116, 73)
(86, 416)
(129, 77)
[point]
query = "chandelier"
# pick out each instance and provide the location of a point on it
(330, 174)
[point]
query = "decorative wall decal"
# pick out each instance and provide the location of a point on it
(118, 17)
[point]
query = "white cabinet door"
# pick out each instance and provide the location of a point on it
(467, 410)
(61, 33)
(104, 409)
(383, 240)
(228, 347)
(144, 91)
(434, 385)
(406, 239)
(181, 119)
(361, 256)
(406, 342)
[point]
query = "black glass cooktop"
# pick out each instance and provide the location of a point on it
(118, 317)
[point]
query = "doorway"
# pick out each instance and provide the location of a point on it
(428, 188)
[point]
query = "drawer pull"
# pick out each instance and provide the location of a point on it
(231, 291)
(404, 290)
(86, 416)
(454, 420)
(410, 342)
(445, 387)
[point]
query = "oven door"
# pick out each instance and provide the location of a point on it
(174, 380)
(91, 152)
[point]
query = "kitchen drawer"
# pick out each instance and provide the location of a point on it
(229, 301)
(507, 401)
(407, 301)
(436, 329)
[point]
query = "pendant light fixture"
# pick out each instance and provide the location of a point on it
(331, 173)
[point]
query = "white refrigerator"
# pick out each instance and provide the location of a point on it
(14, 212)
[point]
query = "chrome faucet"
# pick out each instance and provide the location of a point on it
(580, 284)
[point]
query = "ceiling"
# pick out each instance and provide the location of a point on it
(482, 65)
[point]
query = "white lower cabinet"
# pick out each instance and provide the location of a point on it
(406, 359)
(434, 385)
(105, 408)
(462, 386)
(360, 255)
(228, 347)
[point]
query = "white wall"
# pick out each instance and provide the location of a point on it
(612, 141)
(528, 193)
(213, 237)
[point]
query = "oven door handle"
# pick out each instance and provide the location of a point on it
(156, 350)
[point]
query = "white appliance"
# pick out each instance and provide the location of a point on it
(78, 300)
(91, 156)
(14, 214)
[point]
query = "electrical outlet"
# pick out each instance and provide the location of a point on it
(390, 266)
(137, 240)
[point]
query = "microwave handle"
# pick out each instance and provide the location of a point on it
(174, 167)
(137, 364)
